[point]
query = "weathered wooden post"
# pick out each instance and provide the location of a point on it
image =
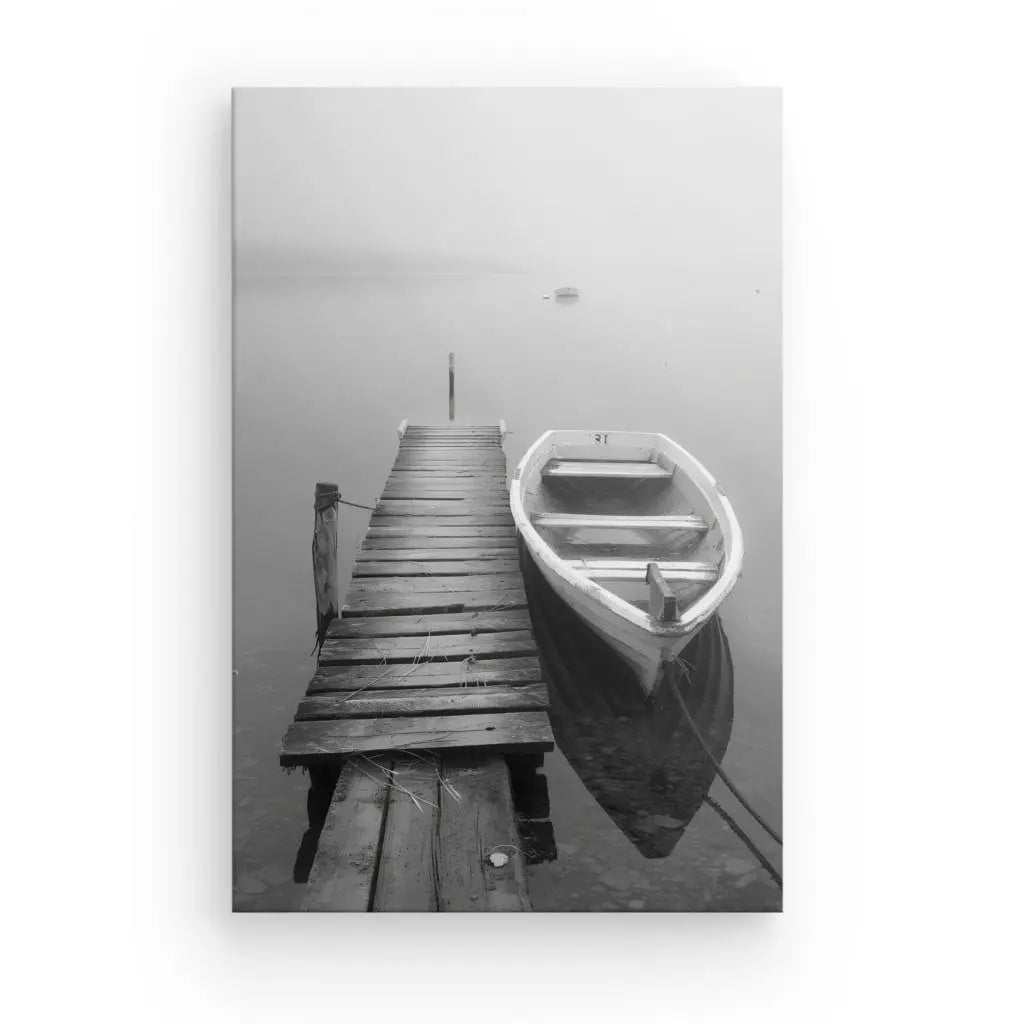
(325, 556)
(451, 385)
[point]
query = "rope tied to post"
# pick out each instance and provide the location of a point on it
(325, 499)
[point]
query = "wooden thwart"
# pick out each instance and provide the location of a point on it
(637, 570)
(607, 470)
(564, 521)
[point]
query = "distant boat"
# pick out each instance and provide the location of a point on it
(640, 759)
(567, 293)
(633, 533)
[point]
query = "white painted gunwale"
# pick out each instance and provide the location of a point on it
(698, 612)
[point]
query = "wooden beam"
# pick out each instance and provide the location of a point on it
(639, 571)
(434, 568)
(448, 647)
(309, 743)
(406, 874)
(561, 521)
(436, 601)
(607, 470)
(487, 672)
(343, 872)
(423, 701)
(662, 600)
(430, 584)
(433, 553)
(435, 625)
(474, 825)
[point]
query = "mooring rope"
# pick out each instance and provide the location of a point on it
(745, 839)
(723, 776)
(324, 499)
(354, 504)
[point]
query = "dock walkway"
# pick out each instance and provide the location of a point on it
(425, 682)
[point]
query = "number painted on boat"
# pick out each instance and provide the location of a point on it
(600, 439)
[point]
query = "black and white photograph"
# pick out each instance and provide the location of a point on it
(509, 360)
(494, 458)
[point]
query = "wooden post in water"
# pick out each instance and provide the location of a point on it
(325, 556)
(451, 385)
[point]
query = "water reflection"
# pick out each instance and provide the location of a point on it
(639, 759)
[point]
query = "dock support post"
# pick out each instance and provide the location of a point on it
(451, 385)
(325, 556)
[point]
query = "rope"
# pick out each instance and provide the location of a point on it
(746, 840)
(335, 498)
(725, 778)
(355, 504)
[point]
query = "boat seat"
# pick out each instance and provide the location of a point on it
(632, 571)
(607, 470)
(567, 521)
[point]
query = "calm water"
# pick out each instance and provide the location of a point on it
(325, 369)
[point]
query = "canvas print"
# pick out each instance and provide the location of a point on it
(507, 500)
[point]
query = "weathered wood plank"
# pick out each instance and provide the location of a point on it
(491, 463)
(446, 647)
(307, 743)
(490, 469)
(430, 584)
(493, 517)
(488, 672)
(439, 507)
(419, 533)
(437, 477)
(438, 601)
(346, 858)
(420, 492)
(421, 625)
(435, 568)
(490, 539)
(424, 701)
(481, 821)
(488, 494)
(407, 877)
(428, 555)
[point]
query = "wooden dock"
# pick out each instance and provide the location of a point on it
(427, 684)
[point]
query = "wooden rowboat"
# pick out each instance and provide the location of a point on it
(633, 533)
(639, 757)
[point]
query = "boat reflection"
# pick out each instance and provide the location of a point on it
(639, 758)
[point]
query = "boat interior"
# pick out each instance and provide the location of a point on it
(609, 511)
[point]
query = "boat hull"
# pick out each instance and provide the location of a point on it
(617, 466)
(645, 652)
